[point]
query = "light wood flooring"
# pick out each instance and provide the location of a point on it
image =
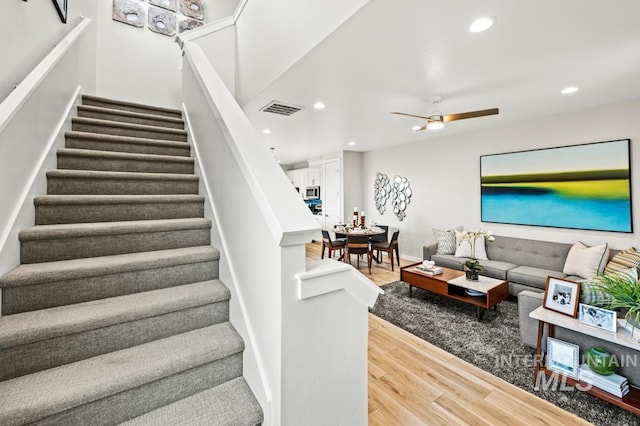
(412, 382)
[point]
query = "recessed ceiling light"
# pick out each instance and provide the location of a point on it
(482, 24)
(319, 105)
(266, 131)
(278, 161)
(569, 90)
(416, 128)
(351, 143)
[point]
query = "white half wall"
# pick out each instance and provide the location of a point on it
(444, 173)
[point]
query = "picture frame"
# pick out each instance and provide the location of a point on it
(61, 7)
(563, 357)
(562, 296)
(583, 186)
(595, 316)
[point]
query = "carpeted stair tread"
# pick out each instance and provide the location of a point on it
(116, 199)
(36, 273)
(47, 243)
(38, 395)
(103, 142)
(231, 403)
(28, 327)
(129, 106)
(128, 129)
(58, 209)
(86, 159)
(123, 183)
(74, 230)
(101, 174)
(129, 116)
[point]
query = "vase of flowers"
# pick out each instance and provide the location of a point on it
(472, 267)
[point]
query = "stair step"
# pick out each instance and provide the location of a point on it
(36, 286)
(231, 403)
(135, 380)
(81, 124)
(48, 243)
(122, 183)
(57, 209)
(129, 117)
(84, 159)
(100, 142)
(38, 340)
(130, 106)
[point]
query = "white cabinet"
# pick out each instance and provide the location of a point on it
(314, 176)
(298, 178)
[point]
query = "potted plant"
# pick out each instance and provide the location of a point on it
(472, 268)
(621, 291)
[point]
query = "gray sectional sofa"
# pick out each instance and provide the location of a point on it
(526, 264)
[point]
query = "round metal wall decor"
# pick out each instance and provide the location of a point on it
(401, 196)
(398, 189)
(382, 191)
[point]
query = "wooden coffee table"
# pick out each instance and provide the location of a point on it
(453, 284)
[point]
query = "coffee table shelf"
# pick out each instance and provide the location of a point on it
(453, 284)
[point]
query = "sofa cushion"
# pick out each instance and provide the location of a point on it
(449, 261)
(623, 261)
(496, 268)
(521, 251)
(463, 247)
(533, 277)
(446, 239)
(585, 261)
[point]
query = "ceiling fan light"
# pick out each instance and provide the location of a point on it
(435, 124)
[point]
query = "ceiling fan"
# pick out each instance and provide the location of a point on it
(436, 120)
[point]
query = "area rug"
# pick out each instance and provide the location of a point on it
(492, 344)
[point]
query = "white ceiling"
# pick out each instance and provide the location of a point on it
(394, 55)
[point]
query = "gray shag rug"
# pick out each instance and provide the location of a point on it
(493, 344)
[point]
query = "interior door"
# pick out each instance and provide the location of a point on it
(331, 193)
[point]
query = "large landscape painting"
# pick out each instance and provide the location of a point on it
(581, 186)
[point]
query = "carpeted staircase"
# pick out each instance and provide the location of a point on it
(115, 313)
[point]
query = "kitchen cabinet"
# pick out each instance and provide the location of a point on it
(314, 176)
(298, 178)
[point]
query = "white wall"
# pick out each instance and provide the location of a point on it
(273, 35)
(445, 175)
(38, 28)
(353, 184)
(139, 65)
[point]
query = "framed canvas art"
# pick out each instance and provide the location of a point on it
(61, 7)
(579, 187)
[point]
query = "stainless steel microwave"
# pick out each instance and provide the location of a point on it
(313, 193)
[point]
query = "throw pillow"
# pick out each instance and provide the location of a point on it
(446, 239)
(589, 295)
(463, 247)
(623, 261)
(585, 261)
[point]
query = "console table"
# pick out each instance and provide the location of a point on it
(549, 319)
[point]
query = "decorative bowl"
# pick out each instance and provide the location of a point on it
(601, 361)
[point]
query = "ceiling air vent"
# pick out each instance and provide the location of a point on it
(281, 108)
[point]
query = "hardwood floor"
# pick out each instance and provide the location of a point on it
(412, 382)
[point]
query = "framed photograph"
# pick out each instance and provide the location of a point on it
(597, 317)
(563, 357)
(585, 186)
(562, 296)
(61, 7)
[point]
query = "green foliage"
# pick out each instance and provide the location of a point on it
(622, 292)
(473, 265)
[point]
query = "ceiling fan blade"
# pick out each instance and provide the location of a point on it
(470, 114)
(411, 115)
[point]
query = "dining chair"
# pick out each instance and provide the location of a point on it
(358, 244)
(380, 238)
(331, 245)
(387, 247)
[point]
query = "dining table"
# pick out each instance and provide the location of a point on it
(343, 231)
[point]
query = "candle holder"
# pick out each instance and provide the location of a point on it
(362, 222)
